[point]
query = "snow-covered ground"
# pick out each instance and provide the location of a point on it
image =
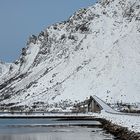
(129, 120)
(132, 122)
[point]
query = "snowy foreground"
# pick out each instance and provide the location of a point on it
(132, 122)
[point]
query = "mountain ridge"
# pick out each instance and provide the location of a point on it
(96, 51)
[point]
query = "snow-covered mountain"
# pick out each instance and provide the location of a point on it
(4, 68)
(95, 52)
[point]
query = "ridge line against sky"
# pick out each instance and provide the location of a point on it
(20, 19)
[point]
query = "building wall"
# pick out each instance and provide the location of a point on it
(94, 107)
(90, 106)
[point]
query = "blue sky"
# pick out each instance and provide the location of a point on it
(21, 18)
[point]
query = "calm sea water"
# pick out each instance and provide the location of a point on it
(50, 129)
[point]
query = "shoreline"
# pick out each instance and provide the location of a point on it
(118, 131)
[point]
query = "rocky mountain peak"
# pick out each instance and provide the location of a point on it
(95, 52)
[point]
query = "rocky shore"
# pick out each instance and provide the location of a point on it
(120, 132)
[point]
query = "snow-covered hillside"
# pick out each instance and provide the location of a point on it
(95, 52)
(4, 68)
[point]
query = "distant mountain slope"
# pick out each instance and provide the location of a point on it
(95, 52)
(4, 68)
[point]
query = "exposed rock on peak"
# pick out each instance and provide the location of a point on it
(96, 51)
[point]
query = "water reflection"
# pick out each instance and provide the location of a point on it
(50, 129)
(65, 133)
